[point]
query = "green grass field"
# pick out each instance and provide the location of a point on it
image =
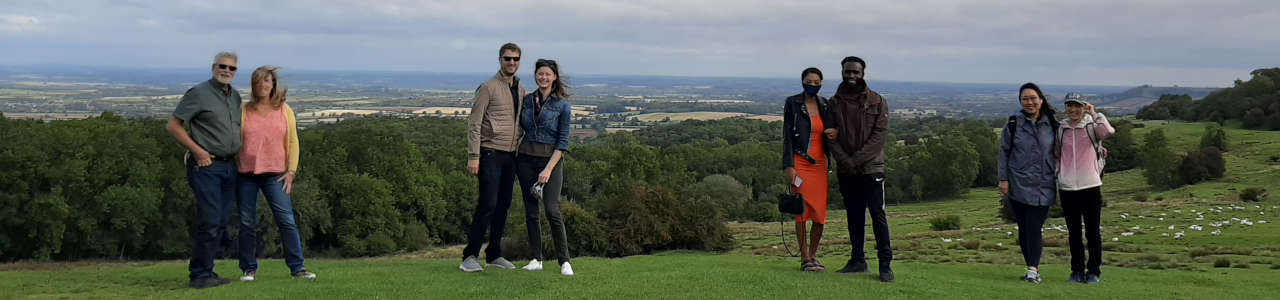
(978, 261)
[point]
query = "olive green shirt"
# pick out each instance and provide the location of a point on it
(214, 117)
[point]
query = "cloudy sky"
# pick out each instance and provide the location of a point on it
(1112, 42)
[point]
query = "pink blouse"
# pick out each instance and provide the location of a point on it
(264, 143)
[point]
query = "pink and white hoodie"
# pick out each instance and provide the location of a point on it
(1078, 167)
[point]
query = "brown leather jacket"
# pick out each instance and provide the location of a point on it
(863, 117)
(495, 116)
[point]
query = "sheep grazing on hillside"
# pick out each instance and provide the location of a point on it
(1179, 235)
(1216, 232)
(1126, 234)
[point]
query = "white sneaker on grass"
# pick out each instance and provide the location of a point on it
(534, 265)
(249, 275)
(566, 269)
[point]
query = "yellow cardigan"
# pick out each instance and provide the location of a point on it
(291, 125)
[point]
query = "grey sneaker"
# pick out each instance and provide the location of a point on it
(501, 263)
(470, 265)
(1032, 276)
(304, 274)
(1092, 279)
(1076, 278)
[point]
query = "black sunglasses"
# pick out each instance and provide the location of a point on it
(511, 58)
(228, 67)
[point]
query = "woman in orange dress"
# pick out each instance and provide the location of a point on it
(806, 125)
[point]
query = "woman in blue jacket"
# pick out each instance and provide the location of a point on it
(544, 119)
(1028, 171)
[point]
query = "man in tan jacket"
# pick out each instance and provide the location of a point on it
(492, 137)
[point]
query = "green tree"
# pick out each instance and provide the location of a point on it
(1158, 162)
(1214, 136)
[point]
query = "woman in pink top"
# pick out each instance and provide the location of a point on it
(267, 163)
(1080, 164)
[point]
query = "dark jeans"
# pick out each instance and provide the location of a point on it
(527, 170)
(497, 178)
(281, 208)
(863, 193)
(1087, 205)
(214, 187)
(1030, 220)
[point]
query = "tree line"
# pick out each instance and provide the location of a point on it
(1255, 103)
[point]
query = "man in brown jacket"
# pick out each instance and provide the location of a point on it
(858, 149)
(492, 137)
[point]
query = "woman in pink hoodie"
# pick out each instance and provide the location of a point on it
(1080, 183)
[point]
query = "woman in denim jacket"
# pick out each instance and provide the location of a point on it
(544, 119)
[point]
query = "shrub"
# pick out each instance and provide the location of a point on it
(1241, 265)
(1222, 262)
(971, 245)
(1275, 266)
(1140, 197)
(1275, 158)
(1253, 194)
(943, 223)
(1160, 198)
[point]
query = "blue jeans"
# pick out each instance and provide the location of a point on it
(214, 189)
(281, 208)
(497, 178)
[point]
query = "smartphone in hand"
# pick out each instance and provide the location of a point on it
(797, 182)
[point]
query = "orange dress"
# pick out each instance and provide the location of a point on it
(814, 187)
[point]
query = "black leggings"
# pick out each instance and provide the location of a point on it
(1030, 220)
(1084, 205)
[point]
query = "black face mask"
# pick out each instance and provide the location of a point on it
(811, 90)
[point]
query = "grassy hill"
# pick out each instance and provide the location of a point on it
(980, 260)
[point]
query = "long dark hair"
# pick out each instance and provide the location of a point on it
(559, 87)
(1045, 108)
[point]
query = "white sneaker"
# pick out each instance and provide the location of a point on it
(534, 265)
(249, 275)
(566, 269)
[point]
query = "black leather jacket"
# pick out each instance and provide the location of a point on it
(796, 129)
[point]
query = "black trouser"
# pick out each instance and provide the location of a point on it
(527, 169)
(863, 193)
(497, 177)
(1087, 205)
(1030, 220)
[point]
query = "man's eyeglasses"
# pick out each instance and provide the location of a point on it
(511, 58)
(227, 67)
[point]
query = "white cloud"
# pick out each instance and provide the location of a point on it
(20, 25)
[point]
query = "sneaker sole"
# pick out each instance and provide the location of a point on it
(471, 270)
(500, 267)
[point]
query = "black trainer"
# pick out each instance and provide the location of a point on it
(886, 273)
(854, 267)
(208, 282)
(1076, 277)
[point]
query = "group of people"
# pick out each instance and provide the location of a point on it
(234, 152)
(238, 150)
(1041, 160)
(513, 135)
(849, 131)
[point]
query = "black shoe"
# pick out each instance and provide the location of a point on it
(886, 273)
(1092, 279)
(854, 267)
(208, 282)
(1076, 277)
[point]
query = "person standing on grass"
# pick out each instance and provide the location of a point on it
(212, 110)
(268, 163)
(858, 151)
(493, 135)
(1028, 171)
(806, 126)
(1080, 183)
(544, 120)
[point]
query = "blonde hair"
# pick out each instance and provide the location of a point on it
(278, 91)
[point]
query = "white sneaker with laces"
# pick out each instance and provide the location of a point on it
(566, 269)
(534, 265)
(249, 276)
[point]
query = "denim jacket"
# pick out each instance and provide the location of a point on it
(1026, 161)
(548, 123)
